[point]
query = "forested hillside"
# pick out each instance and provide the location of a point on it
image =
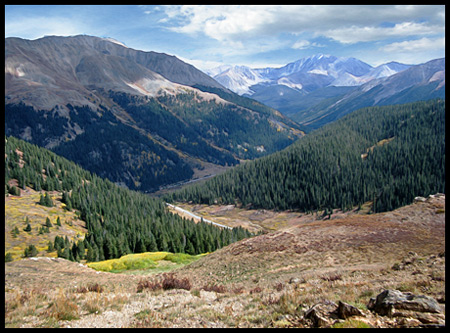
(143, 120)
(387, 155)
(118, 221)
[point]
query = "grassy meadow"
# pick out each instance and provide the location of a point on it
(24, 209)
(154, 261)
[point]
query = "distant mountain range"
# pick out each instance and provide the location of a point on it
(308, 89)
(306, 74)
(141, 119)
(420, 82)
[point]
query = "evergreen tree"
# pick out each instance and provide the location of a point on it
(14, 191)
(8, 257)
(30, 251)
(48, 224)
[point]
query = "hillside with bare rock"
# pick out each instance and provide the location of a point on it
(161, 120)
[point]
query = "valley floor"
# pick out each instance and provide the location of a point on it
(271, 280)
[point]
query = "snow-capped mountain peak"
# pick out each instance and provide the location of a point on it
(310, 73)
(239, 79)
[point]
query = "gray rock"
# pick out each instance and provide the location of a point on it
(345, 310)
(321, 314)
(420, 199)
(392, 302)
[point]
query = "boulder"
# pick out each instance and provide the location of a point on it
(322, 314)
(394, 303)
(345, 310)
(420, 199)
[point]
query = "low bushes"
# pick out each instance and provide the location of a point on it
(169, 281)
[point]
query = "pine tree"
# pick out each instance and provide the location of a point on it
(15, 232)
(14, 191)
(8, 257)
(30, 251)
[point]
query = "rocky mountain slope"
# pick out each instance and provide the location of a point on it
(160, 120)
(65, 69)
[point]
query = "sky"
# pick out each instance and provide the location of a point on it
(257, 36)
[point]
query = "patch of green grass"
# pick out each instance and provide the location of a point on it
(141, 261)
(351, 323)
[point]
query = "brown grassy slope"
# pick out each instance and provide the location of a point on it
(269, 280)
(347, 244)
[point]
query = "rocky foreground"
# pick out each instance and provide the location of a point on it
(379, 270)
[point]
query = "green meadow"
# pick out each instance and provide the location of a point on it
(154, 261)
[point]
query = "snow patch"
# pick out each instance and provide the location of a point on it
(286, 82)
(112, 40)
(318, 71)
(239, 79)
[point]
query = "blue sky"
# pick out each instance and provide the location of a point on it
(253, 35)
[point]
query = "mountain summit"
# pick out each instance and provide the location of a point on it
(62, 69)
(307, 74)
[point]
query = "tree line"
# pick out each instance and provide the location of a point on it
(118, 221)
(386, 155)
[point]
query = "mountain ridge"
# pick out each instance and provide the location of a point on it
(420, 82)
(60, 92)
(340, 71)
(306, 89)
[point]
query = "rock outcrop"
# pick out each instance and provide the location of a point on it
(391, 308)
(421, 310)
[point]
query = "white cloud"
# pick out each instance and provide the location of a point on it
(234, 31)
(201, 64)
(36, 27)
(355, 34)
(419, 45)
(346, 24)
(305, 44)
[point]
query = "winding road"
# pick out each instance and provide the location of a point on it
(196, 216)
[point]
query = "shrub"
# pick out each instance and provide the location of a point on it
(145, 284)
(95, 288)
(214, 287)
(14, 191)
(30, 251)
(81, 290)
(8, 257)
(256, 290)
(171, 282)
(63, 309)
